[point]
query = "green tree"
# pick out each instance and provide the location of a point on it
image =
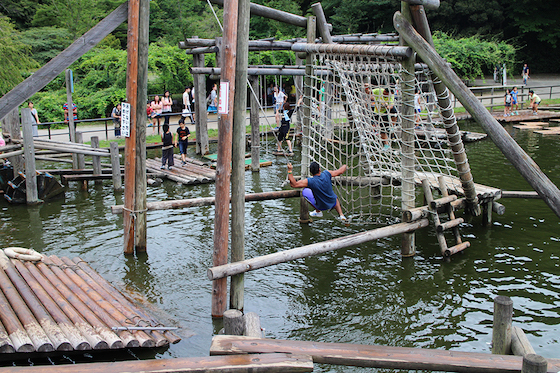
(15, 62)
(168, 68)
(46, 42)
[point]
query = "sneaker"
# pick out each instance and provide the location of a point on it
(183, 163)
(342, 218)
(516, 113)
(316, 214)
(385, 147)
(162, 168)
(169, 167)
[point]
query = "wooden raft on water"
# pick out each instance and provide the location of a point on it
(58, 304)
(193, 172)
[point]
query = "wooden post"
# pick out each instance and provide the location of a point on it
(304, 211)
(252, 325)
(200, 107)
(134, 216)
(487, 214)
(80, 158)
(322, 24)
(501, 329)
(96, 159)
(233, 322)
(255, 126)
(238, 154)
(534, 364)
(449, 119)
(408, 158)
(520, 345)
(298, 81)
(31, 193)
(71, 127)
(10, 126)
(115, 166)
(311, 32)
(223, 167)
(513, 152)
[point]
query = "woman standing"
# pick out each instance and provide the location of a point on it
(34, 120)
(167, 101)
(157, 107)
(116, 115)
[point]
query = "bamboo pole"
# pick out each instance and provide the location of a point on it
(39, 338)
(94, 338)
(71, 332)
(501, 328)
(513, 152)
(64, 295)
(313, 249)
(223, 167)
(209, 201)
(96, 159)
(172, 337)
(87, 301)
(116, 315)
(238, 154)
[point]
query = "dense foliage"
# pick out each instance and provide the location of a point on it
(474, 36)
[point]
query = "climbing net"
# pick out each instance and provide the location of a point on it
(348, 120)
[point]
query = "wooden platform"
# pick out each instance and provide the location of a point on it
(400, 358)
(194, 172)
(549, 131)
(59, 304)
(530, 125)
(524, 115)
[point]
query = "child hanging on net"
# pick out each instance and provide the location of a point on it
(285, 125)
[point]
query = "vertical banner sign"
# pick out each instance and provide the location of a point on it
(223, 100)
(125, 119)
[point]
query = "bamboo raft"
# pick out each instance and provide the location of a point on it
(58, 304)
(191, 173)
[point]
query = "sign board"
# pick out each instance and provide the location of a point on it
(223, 100)
(125, 119)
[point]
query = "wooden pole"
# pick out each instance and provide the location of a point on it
(31, 192)
(305, 161)
(200, 108)
(501, 329)
(322, 24)
(255, 125)
(116, 166)
(534, 364)
(17, 334)
(520, 345)
(134, 218)
(313, 249)
(81, 159)
(223, 167)
(513, 152)
(96, 159)
(70, 119)
(304, 211)
(408, 190)
(252, 325)
(238, 154)
(10, 126)
(233, 322)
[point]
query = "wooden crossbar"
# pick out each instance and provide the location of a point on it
(377, 356)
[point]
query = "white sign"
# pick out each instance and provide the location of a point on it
(125, 119)
(223, 101)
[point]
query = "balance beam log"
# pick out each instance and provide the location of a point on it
(520, 194)
(400, 358)
(243, 266)
(520, 345)
(208, 201)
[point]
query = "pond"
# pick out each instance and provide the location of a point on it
(364, 294)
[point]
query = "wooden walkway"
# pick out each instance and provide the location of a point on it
(524, 115)
(58, 304)
(193, 172)
(373, 356)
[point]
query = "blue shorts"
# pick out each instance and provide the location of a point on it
(308, 195)
(183, 147)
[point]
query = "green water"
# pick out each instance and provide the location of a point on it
(365, 294)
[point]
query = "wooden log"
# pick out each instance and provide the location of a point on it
(11, 154)
(313, 249)
(16, 332)
(71, 150)
(73, 335)
(520, 194)
(89, 299)
(437, 203)
(387, 357)
(115, 166)
(498, 208)
(46, 322)
(54, 67)
(513, 152)
(534, 364)
(501, 328)
(96, 159)
(322, 24)
(449, 224)
(100, 297)
(430, 199)
(457, 248)
(304, 211)
(255, 124)
(264, 363)
(37, 335)
(121, 299)
(208, 201)
(6, 148)
(424, 211)
(373, 50)
(112, 340)
(59, 300)
(520, 345)
(252, 325)
(6, 346)
(233, 322)
(66, 144)
(10, 127)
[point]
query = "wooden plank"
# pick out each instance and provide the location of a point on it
(376, 356)
(44, 75)
(265, 363)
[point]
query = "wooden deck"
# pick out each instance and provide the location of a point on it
(193, 172)
(524, 115)
(58, 304)
(402, 358)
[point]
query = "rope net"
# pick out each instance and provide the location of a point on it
(354, 116)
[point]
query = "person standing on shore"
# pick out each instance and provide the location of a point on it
(116, 115)
(166, 102)
(525, 73)
(34, 119)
